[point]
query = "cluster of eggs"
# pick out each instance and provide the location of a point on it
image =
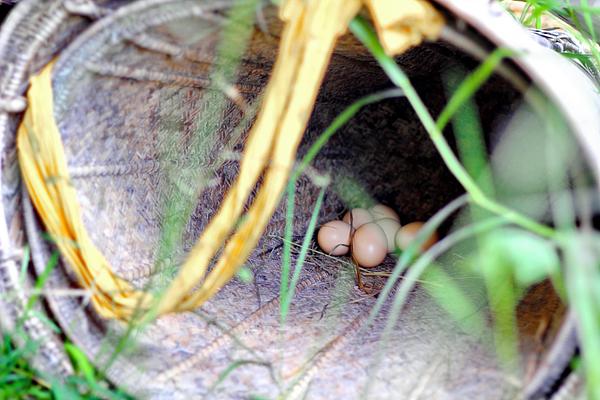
(370, 233)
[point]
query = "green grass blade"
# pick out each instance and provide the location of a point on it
(231, 368)
(24, 264)
(470, 85)
(341, 120)
(412, 251)
(314, 149)
(414, 274)
(442, 287)
(582, 284)
(287, 249)
(41, 280)
(81, 363)
(289, 294)
(466, 125)
(365, 33)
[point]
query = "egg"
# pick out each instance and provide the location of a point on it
(390, 227)
(369, 245)
(334, 238)
(380, 212)
(407, 234)
(358, 217)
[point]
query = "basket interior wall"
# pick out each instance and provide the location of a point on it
(138, 147)
(143, 129)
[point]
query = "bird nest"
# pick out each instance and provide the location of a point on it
(153, 140)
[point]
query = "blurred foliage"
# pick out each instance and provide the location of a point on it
(538, 157)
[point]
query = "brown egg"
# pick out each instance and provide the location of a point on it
(390, 227)
(407, 234)
(369, 245)
(380, 211)
(358, 217)
(334, 238)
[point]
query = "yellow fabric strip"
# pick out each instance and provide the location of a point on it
(310, 33)
(44, 170)
(311, 29)
(308, 41)
(402, 24)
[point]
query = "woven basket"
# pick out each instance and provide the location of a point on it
(132, 79)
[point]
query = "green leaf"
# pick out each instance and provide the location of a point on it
(64, 392)
(38, 393)
(530, 257)
(511, 259)
(81, 363)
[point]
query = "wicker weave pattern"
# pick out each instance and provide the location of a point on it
(128, 88)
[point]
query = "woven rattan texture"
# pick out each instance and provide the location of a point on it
(131, 97)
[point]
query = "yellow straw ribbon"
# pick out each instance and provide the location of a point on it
(311, 30)
(44, 170)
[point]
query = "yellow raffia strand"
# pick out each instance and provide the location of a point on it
(309, 36)
(44, 170)
(311, 30)
(404, 23)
